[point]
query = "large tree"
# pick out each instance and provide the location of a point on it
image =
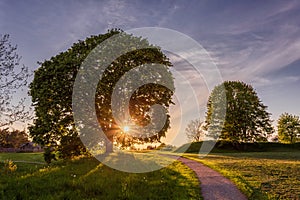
(13, 78)
(52, 88)
(246, 118)
(195, 130)
(288, 128)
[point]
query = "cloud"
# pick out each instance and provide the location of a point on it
(94, 18)
(117, 14)
(256, 51)
(166, 18)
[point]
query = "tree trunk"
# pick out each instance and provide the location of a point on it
(109, 145)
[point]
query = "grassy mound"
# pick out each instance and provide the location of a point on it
(231, 147)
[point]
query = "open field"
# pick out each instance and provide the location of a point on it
(86, 178)
(259, 175)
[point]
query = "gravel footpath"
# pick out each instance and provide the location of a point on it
(213, 184)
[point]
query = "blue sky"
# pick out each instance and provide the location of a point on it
(257, 42)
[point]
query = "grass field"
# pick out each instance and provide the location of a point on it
(86, 178)
(259, 175)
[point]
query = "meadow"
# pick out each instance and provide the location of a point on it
(259, 175)
(86, 178)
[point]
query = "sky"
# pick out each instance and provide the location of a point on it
(257, 42)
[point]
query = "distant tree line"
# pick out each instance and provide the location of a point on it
(12, 138)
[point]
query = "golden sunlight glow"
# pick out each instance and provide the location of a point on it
(126, 128)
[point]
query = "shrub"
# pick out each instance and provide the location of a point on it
(9, 166)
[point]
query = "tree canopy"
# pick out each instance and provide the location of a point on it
(13, 77)
(52, 88)
(288, 128)
(246, 117)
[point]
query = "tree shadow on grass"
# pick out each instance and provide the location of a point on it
(135, 162)
(86, 178)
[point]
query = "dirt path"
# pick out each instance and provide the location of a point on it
(214, 186)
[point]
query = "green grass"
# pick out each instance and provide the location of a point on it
(26, 163)
(259, 175)
(31, 157)
(86, 178)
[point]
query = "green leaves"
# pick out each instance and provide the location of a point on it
(246, 117)
(288, 128)
(52, 90)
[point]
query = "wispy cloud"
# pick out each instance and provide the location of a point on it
(168, 16)
(248, 40)
(251, 52)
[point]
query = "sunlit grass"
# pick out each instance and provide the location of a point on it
(86, 178)
(260, 175)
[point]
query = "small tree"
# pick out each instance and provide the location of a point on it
(13, 77)
(288, 128)
(195, 130)
(246, 117)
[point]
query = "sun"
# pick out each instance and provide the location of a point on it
(126, 128)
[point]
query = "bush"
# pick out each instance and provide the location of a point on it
(9, 166)
(71, 147)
